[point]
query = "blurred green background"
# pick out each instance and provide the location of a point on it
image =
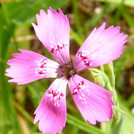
(17, 103)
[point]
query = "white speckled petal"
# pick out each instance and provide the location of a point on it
(51, 112)
(93, 101)
(29, 66)
(101, 46)
(53, 30)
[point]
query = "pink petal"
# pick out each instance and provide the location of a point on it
(93, 101)
(29, 66)
(51, 112)
(102, 46)
(53, 31)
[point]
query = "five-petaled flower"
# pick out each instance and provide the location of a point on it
(94, 102)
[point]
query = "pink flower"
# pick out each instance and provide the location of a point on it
(94, 102)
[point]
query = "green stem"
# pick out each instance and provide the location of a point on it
(23, 112)
(116, 122)
(5, 12)
(15, 42)
(76, 37)
(77, 17)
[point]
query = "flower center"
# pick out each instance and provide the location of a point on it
(66, 71)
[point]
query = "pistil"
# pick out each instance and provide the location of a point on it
(66, 71)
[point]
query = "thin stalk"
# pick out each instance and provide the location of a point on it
(77, 17)
(23, 112)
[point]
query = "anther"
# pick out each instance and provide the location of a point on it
(60, 66)
(72, 72)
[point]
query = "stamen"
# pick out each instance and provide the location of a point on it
(66, 71)
(60, 66)
(72, 72)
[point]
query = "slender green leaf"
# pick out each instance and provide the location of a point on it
(9, 116)
(128, 119)
(37, 89)
(76, 37)
(128, 17)
(116, 126)
(126, 2)
(83, 126)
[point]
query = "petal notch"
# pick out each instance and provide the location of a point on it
(29, 66)
(53, 31)
(101, 46)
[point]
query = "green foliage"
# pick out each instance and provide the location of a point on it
(127, 125)
(9, 121)
(23, 12)
(125, 2)
(121, 63)
(83, 126)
